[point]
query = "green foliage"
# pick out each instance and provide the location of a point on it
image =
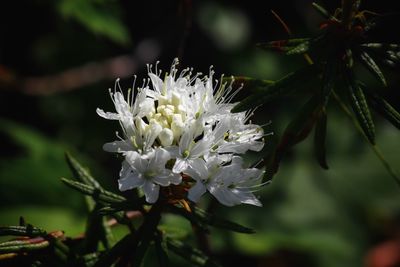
(99, 17)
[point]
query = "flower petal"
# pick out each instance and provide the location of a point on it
(117, 146)
(197, 191)
(180, 165)
(107, 115)
(132, 180)
(151, 191)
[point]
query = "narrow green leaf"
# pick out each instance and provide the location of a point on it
(23, 245)
(322, 11)
(386, 110)
(193, 255)
(203, 218)
(370, 64)
(97, 194)
(297, 130)
(319, 140)
(348, 58)
(97, 228)
(382, 46)
(97, 18)
(282, 45)
(284, 86)
(81, 173)
(215, 221)
(27, 230)
(300, 49)
(360, 106)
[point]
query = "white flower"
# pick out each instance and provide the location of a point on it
(147, 172)
(230, 184)
(189, 150)
(187, 119)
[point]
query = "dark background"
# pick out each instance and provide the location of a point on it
(58, 58)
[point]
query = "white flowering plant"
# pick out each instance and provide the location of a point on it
(179, 141)
(179, 132)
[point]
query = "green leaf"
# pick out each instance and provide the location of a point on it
(203, 218)
(297, 130)
(80, 173)
(319, 140)
(193, 255)
(360, 106)
(97, 228)
(284, 86)
(382, 47)
(299, 49)
(23, 245)
(28, 230)
(97, 194)
(348, 58)
(282, 45)
(370, 64)
(322, 11)
(386, 110)
(97, 18)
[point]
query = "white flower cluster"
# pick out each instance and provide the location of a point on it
(183, 126)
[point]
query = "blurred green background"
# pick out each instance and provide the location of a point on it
(58, 58)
